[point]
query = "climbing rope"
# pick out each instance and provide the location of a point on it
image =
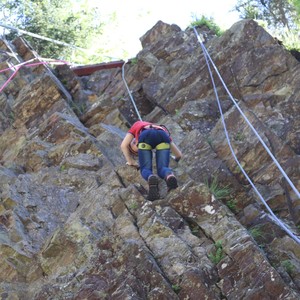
(7, 44)
(29, 63)
(129, 92)
(246, 119)
(275, 218)
(41, 37)
(64, 44)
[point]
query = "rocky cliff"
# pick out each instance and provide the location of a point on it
(74, 219)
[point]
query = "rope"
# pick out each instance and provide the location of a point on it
(129, 93)
(28, 63)
(88, 51)
(44, 61)
(133, 102)
(248, 122)
(9, 47)
(275, 218)
(41, 37)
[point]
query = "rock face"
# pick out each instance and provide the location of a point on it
(74, 219)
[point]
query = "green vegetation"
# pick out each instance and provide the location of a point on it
(78, 108)
(239, 137)
(216, 189)
(208, 22)
(209, 141)
(288, 266)
(75, 24)
(218, 254)
(62, 168)
(195, 229)
(256, 232)
(231, 204)
(176, 288)
(11, 117)
(134, 61)
(290, 40)
(280, 17)
(133, 205)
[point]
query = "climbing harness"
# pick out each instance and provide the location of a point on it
(275, 218)
(161, 146)
(158, 147)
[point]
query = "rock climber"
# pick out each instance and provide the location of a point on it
(142, 138)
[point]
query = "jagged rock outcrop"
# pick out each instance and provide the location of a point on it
(74, 219)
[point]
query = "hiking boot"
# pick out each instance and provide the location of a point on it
(153, 188)
(171, 182)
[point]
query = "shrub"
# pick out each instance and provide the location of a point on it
(216, 189)
(218, 254)
(208, 22)
(231, 204)
(288, 266)
(256, 232)
(176, 288)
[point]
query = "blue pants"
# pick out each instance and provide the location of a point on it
(153, 137)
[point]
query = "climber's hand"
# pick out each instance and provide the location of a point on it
(177, 159)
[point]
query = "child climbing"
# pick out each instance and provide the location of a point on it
(142, 138)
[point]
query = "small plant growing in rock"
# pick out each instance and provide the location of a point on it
(288, 266)
(176, 288)
(133, 205)
(231, 204)
(195, 229)
(62, 168)
(208, 22)
(256, 232)
(11, 117)
(64, 81)
(239, 137)
(218, 254)
(134, 60)
(78, 109)
(209, 141)
(216, 189)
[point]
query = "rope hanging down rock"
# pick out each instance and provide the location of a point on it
(275, 218)
(29, 63)
(207, 58)
(129, 92)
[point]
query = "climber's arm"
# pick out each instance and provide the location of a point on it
(175, 150)
(125, 149)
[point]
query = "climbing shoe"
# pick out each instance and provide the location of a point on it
(153, 188)
(171, 182)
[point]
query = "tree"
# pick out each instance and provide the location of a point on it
(67, 21)
(296, 4)
(281, 18)
(276, 13)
